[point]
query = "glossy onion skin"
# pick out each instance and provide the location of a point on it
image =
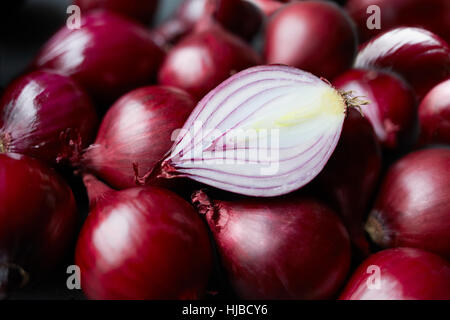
(137, 129)
(392, 104)
(109, 55)
(412, 208)
(278, 248)
(351, 175)
(37, 216)
(405, 274)
(434, 115)
(46, 116)
(433, 15)
(204, 59)
(419, 56)
(315, 36)
(143, 243)
(140, 10)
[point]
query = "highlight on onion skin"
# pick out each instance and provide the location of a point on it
(432, 15)
(204, 59)
(419, 56)
(316, 36)
(434, 115)
(266, 131)
(137, 131)
(37, 220)
(139, 10)
(412, 207)
(400, 274)
(142, 243)
(109, 55)
(351, 175)
(46, 116)
(278, 248)
(391, 107)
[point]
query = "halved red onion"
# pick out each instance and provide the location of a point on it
(391, 107)
(419, 56)
(265, 131)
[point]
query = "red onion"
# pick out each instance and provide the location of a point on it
(265, 131)
(141, 10)
(420, 56)
(142, 243)
(137, 130)
(278, 248)
(37, 220)
(391, 105)
(268, 7)
(108, 55)
(434, 115)
(412, 209)
(315, 36)
(433, 15)
(351, 175)
(204, 59)
(400, 274)
(47, 116)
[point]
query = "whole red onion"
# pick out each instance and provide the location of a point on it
(47, 116)
(412, 208)
(400, 274)
(351, 175)
(142, 243)
(204, 59)
(140, 10)
(433, 15)
(391, 107)
(137, 130)
(278, 248)
(109, 55)
(315, 36)
(37, 220)
(419, 56)
(434, 115)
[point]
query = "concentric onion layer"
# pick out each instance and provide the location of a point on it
(265, 131)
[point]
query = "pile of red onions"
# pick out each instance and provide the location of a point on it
(47, 116)
(37, 220)
(400, 274)
(109, 55)
(434, 115)
(142, 243)
(391, 104)
(265, 131)
(413, 207)
(419, 56)
(278, 248)
(316, 36)
(137, 131)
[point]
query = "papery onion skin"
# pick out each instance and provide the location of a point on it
(351, 175)
(391, 108)
(109, 55)
(46, 116)
(433, 15)
(139, 10)
(315, 36)
(142, 243)
(37, 218)
(278, 248)
(434, 115)
(138, 130)
(263, 107)
(404, 274)
(412, 207)
(419, 56)
(204, 59)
